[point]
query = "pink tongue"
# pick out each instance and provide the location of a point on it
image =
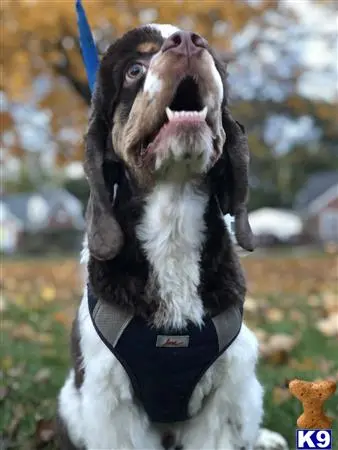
(189, 119)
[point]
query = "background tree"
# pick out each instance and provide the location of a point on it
(45, 95)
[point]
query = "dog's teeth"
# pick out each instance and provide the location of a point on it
(170, 113)
(181, 114)
(204, 112)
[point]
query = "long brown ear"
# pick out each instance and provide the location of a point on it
(105, 237)
(233, 193)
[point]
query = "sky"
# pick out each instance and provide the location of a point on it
(316, 53)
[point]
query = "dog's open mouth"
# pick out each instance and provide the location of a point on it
(186, 111)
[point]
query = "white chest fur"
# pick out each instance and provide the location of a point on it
(172, 234)
(103, 414)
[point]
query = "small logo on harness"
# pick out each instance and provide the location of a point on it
(172, 341)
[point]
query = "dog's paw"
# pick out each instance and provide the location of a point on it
(269, 440)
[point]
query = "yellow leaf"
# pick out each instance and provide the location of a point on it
(6, 363)
(48, 293)
(280, 395)
(274, 314)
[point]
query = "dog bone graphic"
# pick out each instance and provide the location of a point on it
(312, 396)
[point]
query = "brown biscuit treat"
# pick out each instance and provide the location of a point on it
(313, 395)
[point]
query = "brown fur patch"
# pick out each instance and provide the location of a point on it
(148, 47)
(124, 137)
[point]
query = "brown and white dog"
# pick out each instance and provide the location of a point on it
(165, 161)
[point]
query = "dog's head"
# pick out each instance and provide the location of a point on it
(159, 114)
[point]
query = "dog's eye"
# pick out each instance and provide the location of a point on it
(135, 71)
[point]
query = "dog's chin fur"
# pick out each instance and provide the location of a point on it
(184, 156)
(176, 264)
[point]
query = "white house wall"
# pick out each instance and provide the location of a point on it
(323, 200)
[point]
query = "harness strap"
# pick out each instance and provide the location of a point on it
(110, 321)
(227, 324)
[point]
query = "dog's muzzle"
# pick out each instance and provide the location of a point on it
(177, 115)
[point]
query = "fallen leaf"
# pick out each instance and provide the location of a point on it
(26, 332)
(18, 414)
(48, 293)
(297, 316)
(44, 338)
(7, 325)
(20, 299)
(45, 431)
(42, 375)
(261, 335)
(314, 300)
(280, 395)
(250, 304)
(325, 366)
(304, 364)
(6, 363)
(15, 385)
(16, 371)
(276, 348)
(329, 325)
(3, 303)
(275, 314)
(63, 318)
(330, 301)
(4, 391)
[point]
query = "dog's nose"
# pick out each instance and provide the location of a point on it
(184, 43)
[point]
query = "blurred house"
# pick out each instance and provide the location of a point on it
(317, 204)
(273, 226)
(10, 228)
(50, 219)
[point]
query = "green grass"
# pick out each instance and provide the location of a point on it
(30, 399)
(316, 356)
(282, 418)
(22, 359)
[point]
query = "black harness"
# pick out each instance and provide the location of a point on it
(164, 366)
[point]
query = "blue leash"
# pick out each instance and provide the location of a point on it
(89, 51)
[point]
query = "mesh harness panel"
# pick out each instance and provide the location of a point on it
(164, 366)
